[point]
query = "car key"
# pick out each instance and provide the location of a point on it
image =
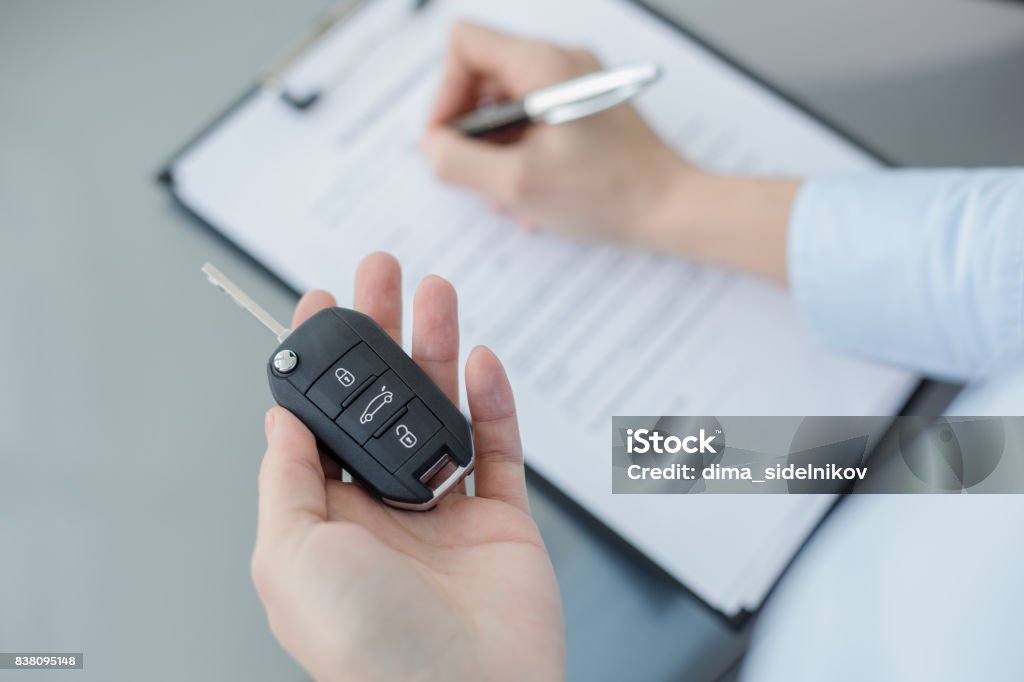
(371, 408)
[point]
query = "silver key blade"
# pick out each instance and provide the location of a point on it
(220, 280)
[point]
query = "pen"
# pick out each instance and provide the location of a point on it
(563, 102)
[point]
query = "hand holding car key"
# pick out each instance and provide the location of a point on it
(341, 574)
(368, 404)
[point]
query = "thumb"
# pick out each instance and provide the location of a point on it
(489, 169)
(291, 486)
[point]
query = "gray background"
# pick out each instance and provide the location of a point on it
(133, 395)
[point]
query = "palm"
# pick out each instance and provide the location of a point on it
(469, 556)
(358, 590)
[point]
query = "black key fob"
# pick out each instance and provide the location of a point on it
(372, 409)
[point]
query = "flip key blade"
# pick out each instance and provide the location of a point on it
(221, 281)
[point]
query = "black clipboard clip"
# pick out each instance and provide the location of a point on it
(302, 100)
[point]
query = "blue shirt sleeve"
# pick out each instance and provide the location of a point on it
(919, 268)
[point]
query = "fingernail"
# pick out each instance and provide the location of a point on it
(268, 423)
(431, 276)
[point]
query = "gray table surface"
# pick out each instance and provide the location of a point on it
(127, 487)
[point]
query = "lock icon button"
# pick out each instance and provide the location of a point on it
(406, 437)
(344, 377)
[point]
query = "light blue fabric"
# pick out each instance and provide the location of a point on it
(924, 269)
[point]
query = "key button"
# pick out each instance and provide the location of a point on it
(285, 361)
(346, 376)
(374, 407)
(407, 435)
(316, 351)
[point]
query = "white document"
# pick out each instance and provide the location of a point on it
(586, 331)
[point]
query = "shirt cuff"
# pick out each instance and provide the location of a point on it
(923, 269)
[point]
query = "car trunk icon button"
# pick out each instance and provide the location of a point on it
(376, 405)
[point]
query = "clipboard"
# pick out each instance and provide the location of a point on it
(305, 100)
(345, 9)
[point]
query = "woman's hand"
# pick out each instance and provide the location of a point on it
(603, 176)
(355, 590)
(608, 176)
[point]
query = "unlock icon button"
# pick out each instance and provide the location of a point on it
(405, 437)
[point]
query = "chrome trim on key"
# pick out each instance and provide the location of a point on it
(440, 491)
